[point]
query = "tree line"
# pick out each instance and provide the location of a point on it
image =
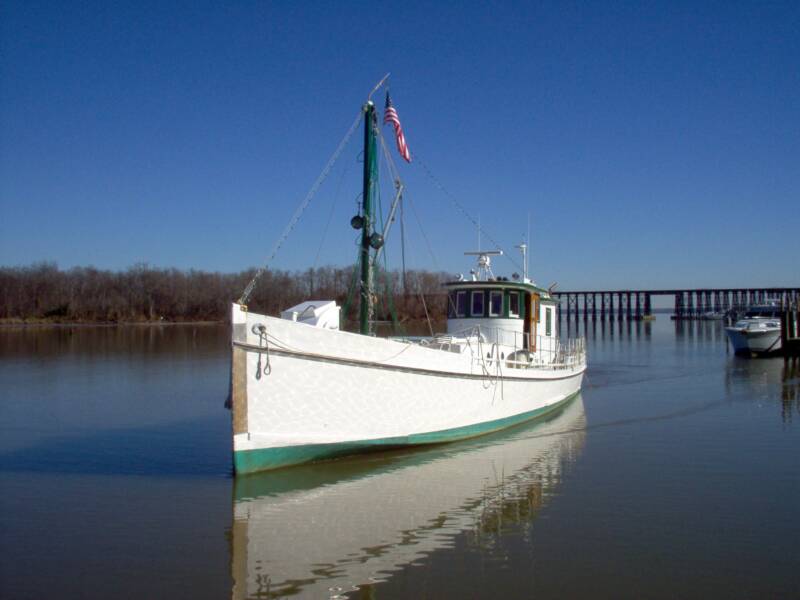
(43, 292)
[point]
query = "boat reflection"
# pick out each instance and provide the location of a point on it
(332, 528)
(768, 380)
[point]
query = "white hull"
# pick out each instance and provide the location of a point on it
(328, 392)
(379, 516)
(749, 341)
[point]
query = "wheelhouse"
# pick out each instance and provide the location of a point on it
(509, 312)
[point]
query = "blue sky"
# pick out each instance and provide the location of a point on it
(652, 144)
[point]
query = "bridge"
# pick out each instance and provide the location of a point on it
(689, 303)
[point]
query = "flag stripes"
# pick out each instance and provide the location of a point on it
(390, 116)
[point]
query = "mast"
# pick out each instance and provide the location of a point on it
(368, 239)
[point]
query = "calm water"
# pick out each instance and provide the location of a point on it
(674, 475)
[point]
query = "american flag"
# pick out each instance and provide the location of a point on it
(390, 116)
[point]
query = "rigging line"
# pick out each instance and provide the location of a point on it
(285, 346)
(436, 264)
(391, 176)
(301, 208)
(330, 215)
(403, 245)
(392, 167)
(463, 211)
(398, 184)
(425, 237)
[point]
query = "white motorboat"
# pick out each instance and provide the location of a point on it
(303, 390)
(759, 331)
(712, 315)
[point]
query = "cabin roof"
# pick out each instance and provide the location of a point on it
(499, 284)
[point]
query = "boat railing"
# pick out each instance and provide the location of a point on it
(515, 350)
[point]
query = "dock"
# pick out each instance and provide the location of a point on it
(790, 331)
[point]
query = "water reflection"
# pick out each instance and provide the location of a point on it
(696, 331)
(790, 390)
(604, 328)
(768, 380)
(337, 527)
(57, 342)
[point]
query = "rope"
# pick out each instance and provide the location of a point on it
(263, 339)
(403, 245)
(284, 346)
(395, 174)
(463, 211)
(427, 316)
(300, 209)
(422, 231)
(330, 215)
(352, 288)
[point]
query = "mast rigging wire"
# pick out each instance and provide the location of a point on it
(463, 211)
(330, 217)
(301, 208)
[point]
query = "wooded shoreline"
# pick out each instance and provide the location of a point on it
(43, 294)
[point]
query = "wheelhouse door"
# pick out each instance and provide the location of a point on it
(534, 320)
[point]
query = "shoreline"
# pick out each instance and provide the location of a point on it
(25, 324)
(11, 324)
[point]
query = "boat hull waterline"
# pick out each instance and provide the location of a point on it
(745, 342)
(301, 393)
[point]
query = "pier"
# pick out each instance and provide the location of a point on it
(790, 331)
(688, 303)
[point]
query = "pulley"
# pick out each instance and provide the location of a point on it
(376, 240)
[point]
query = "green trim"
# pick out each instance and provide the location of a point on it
(264, 459)
(519, 285)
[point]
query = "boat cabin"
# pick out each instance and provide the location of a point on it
(768, 310)
(508, 312)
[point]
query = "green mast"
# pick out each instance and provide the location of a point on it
(369, 239)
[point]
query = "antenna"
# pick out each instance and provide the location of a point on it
(528, 236)
(524, 249)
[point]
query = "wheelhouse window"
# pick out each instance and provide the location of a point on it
(461, 304)
(548, 321)
(513, 304)
(495, 303)
(477, 304)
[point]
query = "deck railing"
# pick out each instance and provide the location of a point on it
(493, 347)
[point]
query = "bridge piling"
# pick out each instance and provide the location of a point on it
(688, 303)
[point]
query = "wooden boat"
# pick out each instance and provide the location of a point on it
(302, 389)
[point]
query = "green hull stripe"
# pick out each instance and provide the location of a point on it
(264, 459)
